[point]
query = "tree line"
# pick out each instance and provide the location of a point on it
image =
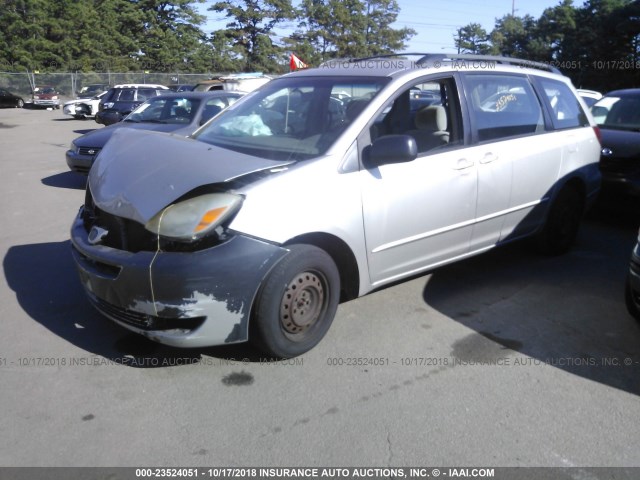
(169, 36)
(597, 44)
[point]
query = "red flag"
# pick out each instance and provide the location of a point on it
(295, 63)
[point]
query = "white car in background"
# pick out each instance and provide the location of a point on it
(82, 107)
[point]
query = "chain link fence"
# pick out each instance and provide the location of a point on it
(69, 83)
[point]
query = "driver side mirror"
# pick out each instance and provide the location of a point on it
(391, 149)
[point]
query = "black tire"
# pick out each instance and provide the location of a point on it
(632, 301)
(296, 303)
(563, 222)
(20, 104)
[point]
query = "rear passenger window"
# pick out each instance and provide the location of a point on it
(126, 95)
(145, 94)
(566, 111)
(503, 106)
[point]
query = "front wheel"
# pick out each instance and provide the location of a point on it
(20, 104)
(296, 303)
(563, 221)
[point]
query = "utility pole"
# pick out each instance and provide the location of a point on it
(513, 8)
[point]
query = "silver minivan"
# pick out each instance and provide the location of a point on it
(326, 184)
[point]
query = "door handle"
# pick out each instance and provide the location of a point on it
(463, 164)
(488, 158)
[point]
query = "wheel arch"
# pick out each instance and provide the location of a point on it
(342, 256)
(576, 183)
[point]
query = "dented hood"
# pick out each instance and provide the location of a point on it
(137, 174)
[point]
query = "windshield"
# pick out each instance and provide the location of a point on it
(292, 118)
(621, 113)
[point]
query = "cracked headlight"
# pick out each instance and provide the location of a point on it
(196, 217)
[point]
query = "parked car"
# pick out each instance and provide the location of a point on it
(589, 96)
(241, 82)
(83, 107)
(45, 96)
(121, 100)
(632, 287)
(180, 113)
(618, 115)
(259, 223)
(92, 90)
(8, 99)
(180, 87)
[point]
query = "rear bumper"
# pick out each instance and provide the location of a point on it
(46, 103)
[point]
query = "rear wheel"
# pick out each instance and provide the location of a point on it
(20, 104)
(296, 303)
(563, 221)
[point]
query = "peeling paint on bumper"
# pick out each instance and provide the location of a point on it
(195, 299)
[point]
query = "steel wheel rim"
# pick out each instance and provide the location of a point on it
(303, 303)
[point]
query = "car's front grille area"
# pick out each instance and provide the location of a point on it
(88, 151)
(122, 233)
(131, 236)
(145, 321)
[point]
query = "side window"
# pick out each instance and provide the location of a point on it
(181, 111)
(566, 111)
(145, 94)
(126, 95)
(503, 106)
(211, 109)
(428, 111)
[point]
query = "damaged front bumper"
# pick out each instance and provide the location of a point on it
(194, 299)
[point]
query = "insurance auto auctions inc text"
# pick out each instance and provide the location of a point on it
(372, 472)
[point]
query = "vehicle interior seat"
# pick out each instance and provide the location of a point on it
(181, 112)
(354, 108)
(431, 128)
(210, 111)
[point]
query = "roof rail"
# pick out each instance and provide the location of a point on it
(426, 58)
(432, 57)
(372, 57)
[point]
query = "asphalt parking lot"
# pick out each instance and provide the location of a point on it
(507, 359)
